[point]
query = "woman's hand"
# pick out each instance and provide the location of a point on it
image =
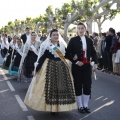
(80, 63)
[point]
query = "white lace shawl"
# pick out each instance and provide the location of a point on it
(3, 45)
(46, 45)
(26, 49)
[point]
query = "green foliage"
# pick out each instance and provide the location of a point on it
(22, 21)
(16, 22)
(49, 10)
(66, 9)
(10, 25)
(106, 6)
(72, 29)
(83, 7)
(6, 29)
(113, 13)
(88, 6)
(89, 13)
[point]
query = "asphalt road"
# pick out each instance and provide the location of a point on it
(104, 103)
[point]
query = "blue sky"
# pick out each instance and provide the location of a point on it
(20, 9)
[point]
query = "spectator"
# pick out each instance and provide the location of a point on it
(117, 55)
(87, 34)
(108, 53)
(98, 50)
(0, 41)
(103, 45)
(95, 39)
(114, 38)
(9, 39)
(26, 36)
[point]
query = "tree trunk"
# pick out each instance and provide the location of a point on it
(49, 25)
(37, 28)
(89, 24)
(66, 25)
(99, 27)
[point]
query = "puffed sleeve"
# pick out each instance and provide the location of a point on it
(41, 61)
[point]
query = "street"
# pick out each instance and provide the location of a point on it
(104, 103)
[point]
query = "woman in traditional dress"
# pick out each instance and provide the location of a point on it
(10, 53)
(52, 87)
(16, 58)
(4, 47)
(29, 57)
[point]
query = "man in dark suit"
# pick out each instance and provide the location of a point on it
(108, 52)
(104, 57)
(95, 40)
(26, 36)
(80, 50)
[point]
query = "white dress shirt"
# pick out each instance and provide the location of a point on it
(28, 37)
(84, 44)
(83, 39)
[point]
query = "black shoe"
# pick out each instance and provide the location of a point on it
(87, 110)
(81, 110)
(52, 113)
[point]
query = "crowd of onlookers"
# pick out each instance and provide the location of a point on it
(106, 44)
(108, 49)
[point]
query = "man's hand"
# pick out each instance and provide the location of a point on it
(94, 67)
(79, 63)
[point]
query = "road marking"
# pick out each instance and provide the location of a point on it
(107, 104)
(8, 82)
(21, 103)
(10, 78)
(30, 118)
(10, 86)
(98, 98)
(5, 77)
(4, 90)
(105, 99)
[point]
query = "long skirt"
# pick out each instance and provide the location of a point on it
(13, 69)
(3, 52)
(7, 62)
(29, 61)
(52, 88)
(117, 58)
(27, 67)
